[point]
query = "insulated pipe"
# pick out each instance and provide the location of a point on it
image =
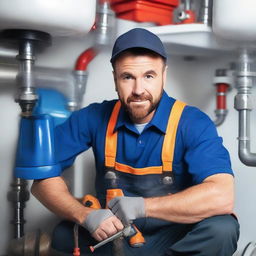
(243, 104)
(85, 58)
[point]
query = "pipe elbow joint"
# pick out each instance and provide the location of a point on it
(246, 157)
(220, 116)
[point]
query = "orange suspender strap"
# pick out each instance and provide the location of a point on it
(168, 144)
(111, 137)
(170, 135)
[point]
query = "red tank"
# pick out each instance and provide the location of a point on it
(159, 12)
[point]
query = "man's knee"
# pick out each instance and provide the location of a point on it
(221, 228)
(213, 236)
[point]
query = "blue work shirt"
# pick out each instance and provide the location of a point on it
(199, 151)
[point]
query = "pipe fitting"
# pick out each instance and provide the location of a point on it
(75, 99)
(27, 41)
(186, 14)
(220, 117)
(243, 102)
(183, 15)
(245, 154)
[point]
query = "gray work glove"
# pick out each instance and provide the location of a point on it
(95, 218)
(128, 208)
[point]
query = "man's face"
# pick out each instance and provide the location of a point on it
(139, 83)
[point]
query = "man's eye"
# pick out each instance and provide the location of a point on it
(149, 76)
(127, 77)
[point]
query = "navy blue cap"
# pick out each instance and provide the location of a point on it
(138, 38)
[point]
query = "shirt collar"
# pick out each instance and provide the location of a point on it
(125, 121)
(159, 120)
(161, 116)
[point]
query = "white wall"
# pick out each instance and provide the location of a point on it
(190, 81)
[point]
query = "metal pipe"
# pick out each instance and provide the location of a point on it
(70, 83)
(187, 5)
(243, 104)
(245, 154)
(27, 96)
(205, 12)
(220, 116)
(18, 196)
(105, 25)
(7, 52)
(8, 73)
(222, 81)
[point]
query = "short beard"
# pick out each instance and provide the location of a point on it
(137, 114)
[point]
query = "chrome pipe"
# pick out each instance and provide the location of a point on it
(8, 53)
(18, 196)
(8, 73)
(243, 104)
(71, 84)
(220, 116)
(105, 25)
(187, 5)
(245, 154)
(27, 96)
(205, 12)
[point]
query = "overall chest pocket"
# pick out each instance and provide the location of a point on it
(144, 185)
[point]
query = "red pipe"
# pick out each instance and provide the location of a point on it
(221, 89)
(85, 58)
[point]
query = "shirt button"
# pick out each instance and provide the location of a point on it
(141, 143)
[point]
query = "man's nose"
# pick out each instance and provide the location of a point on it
(138, 87)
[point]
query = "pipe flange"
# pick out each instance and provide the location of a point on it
(16, 35)
(243, 138)
(27, 97)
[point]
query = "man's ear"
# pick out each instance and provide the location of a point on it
(114, 76)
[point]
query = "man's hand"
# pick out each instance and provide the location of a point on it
(102, 224)
(127, 208)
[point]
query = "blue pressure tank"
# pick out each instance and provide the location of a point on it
(35, 157)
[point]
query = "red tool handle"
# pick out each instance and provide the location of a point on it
(136, 240)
